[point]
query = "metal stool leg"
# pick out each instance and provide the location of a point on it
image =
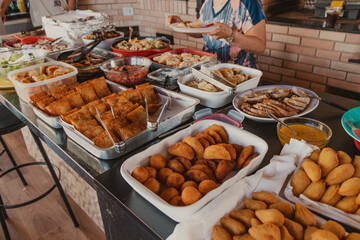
(3, 210)
(56, 180)
(13, 161)
(3, 216)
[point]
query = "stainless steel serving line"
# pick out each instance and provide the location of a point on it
(126, 215)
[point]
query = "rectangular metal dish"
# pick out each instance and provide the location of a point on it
(181, 109)
(52, 121)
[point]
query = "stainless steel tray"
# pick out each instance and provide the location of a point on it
(181, 109)
(52, 121)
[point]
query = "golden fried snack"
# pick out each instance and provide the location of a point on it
(75, 100)
(223, 168)
(267, 231)
(323, 235)
(207, 186)
(210, 163)
(331, 195)
(190, 195)
(285, 235)
(197, 175)
(103, 140)
(44, 102)
(221, 131)
(157, 161)
(87, 92)
(357, 212)
(315, 155)
(244, 216)
(343, 157)
(340, 174)
(217, 152)
(213, 134)
(347, 204)
(100, 87)
(57, 92)
(328, 160)
(254, 204)
(294, 228)
(245, 236)
(147, 92)
(177, 201)
(169, 193)
(273, 216)
(153, 185)
(254, 222)
(181, 149)
(219, 233)
(196, 146)
(50, 110)
(350, 187)
(315, 190)
(358, 199)
(312, 169)
(90, 104)
(353, 236)
(140, 174)
(249, 159)
(85, 126)
(151, 171)
(356, 164)
(205, 143)
(266, 197)
(204, 169)
(175, 165)
(245, 153)
(304, 216)
(164, 173)
(233, 226)
(61, 106)
(207, 137)
(175, 180)
(79, 116)
(308, 231)
(65, 116)
(299, 182)
(37, 97)
(238, 148)
(231, 150)
(94, 132)
(185, 162)
(188, 184)
(131, 130)
(138, 115)
(285, 208)
(335, 228)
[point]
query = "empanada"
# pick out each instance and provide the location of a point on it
(217, 152)
(181, 149)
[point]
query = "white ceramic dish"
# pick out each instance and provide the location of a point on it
(202, 29)
(178, 214)
(238, 100)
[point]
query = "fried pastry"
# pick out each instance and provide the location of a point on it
(207, 186)
(204, 169)
(197, 175)
(285, 235)
(169, 193)
(294, 228)
(248, 161)
(304, 216)
(36, 97)
(254, 204)
(219, 233)
(190, 195)
(331, 195)
(328, 160)
(245, 153)
(93, 132)
(181, 149)
(185, 162)
(334, 227)
(213, 134)
(90, 104)
(217, 152)
(223, 168)
(343, 157)
(87, 92)
(131, 130)
(273, 216)
(221, 131)
(65, 116)
(315, 190)
(299, 182)
(267, 231)
(243, 215)
(233, 226)
(207, 137)
(58, 92)
(164, 173)
(195, 145)
(153, 185)
(175, 180)
(210, 163)
(285, 208)
(323, 235)
(79, 116)
(312, 170)
(140, 174)
(356, 164)
(147, 92)
(75, 100)
(340, 174)
(44, 102)
(315, 155)
(103, 140)
(175, 165)
(230, 149)
(85, 126)
(308, 231)
(347, 204)
(100, 87)
(138, 115)
(61, 106)
(152, 172)
(350, 187)
(266, 197)
(157, 161)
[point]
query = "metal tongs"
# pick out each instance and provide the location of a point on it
(152, 126)
(119, 146)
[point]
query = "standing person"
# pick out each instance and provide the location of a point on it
(40, 8)
(240, 32)
(3, 6)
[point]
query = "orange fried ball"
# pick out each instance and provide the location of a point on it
(190, 195)
(157, 161)
(153, 185)
(140, 174)
(177, 201)
(151, 171)
(206, 186)
(187, 184)
(169, 193)
(164, 173)
(175, 180)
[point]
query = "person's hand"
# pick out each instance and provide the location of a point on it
(2, 15)
(173, 19)
(222, 31)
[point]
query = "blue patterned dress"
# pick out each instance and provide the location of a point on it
(244, 14)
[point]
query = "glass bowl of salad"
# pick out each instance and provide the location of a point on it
(16, 59)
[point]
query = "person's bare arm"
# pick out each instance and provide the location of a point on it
(174, 19)
(3, 6)
(71, 5)
(254, 40)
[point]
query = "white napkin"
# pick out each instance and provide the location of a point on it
(299, 148)
(270, 178)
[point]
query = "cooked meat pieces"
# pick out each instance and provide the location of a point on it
(299, 103)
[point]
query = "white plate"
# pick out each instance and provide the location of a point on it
(179, 214)
(238, 100)
(202, 29)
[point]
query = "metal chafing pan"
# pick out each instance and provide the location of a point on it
(181, 109)
(52, 121)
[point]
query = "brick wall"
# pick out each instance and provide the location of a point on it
(299, 56)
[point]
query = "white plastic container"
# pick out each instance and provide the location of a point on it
(220, 99)
(25, 90)
(179, 214)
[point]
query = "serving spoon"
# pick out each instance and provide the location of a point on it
(279, 121)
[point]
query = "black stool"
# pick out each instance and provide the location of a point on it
(8, 124)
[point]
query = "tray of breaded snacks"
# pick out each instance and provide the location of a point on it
(122, 113)
(190, 168)
(328, 182)
(266, 216)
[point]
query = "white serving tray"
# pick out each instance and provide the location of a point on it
(179, 214)
(202, 29)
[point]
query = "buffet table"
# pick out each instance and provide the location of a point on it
(125, 214)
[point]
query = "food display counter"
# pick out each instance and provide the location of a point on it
(124, 212)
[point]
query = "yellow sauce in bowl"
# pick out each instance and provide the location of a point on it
(310, 134)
